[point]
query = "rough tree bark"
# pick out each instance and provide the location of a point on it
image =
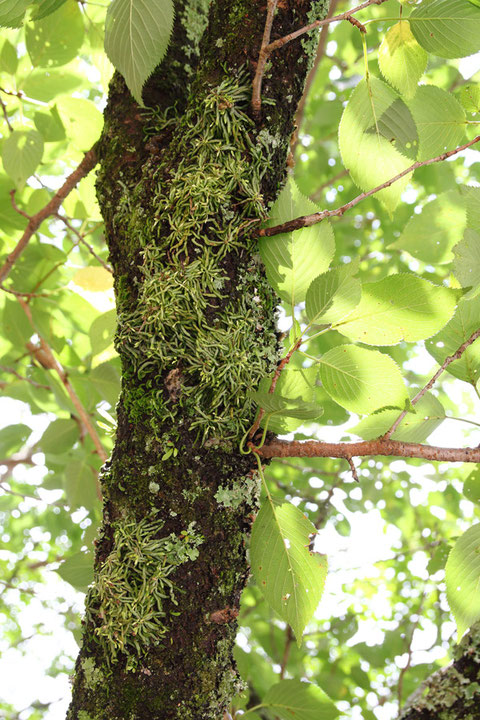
(182, 185)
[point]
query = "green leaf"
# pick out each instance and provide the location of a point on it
(83, 121)
(297, 700)
(137, 33)
(470, 98)
(57, 38)
(462, 577)
(59, 436)
(367, 135)
(78, 570)
(415, 427)
(471, 486)
(80, 486)
(399, 307)
(465, 321)
(21, 155)
(42, 8)
(102, 331)
(275, 404)
(431, 234)
(50, 125)
(12, 12)
(46, 85)
(293, 260)
(350, 375)
(448, 28)
(401, 59)
(296, 390)
(12, 439)
(8, 58)
(466, 266)
(16, 326)
(106, 381)
(332, 295)
(290, 577)
(440, 120)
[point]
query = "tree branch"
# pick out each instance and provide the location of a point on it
(308, 220)
(51, 362)
(51, 208)
(456, 355)
(262, 59)
(316, 448)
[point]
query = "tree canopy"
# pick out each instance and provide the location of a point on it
(371, 244)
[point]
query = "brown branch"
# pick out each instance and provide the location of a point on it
(262, 59)
(315, 448)
(51, 208)
(272, 387)
(456, 355)
(3, 368)
(52, 363)
(286, 650)
(81, 239)
(308, 220)
(328, 183)
(5, 115)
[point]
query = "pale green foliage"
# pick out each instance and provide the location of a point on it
(461, 326)
(467, 260)
(448, 28)
(293, 260)
(369, 134)
(288, 574)
(462, 573)
(137, 33)
(300, 700)
(416, 426)
(21, 154)
(440, 121)
(297, 392)
(56, 39)
(399, 307)
(401, 59)
(332, 296)
(350, 375)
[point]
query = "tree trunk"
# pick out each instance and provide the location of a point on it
(182, 186)
(453, 692)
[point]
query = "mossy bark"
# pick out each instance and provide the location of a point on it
(182, 186)
(452, 693)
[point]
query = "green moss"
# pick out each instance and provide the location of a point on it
(127, 602)
(196, 314)
(93, 675)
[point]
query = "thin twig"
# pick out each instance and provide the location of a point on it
(5, 115)
(51, 208)
(286, 650)
(281, 365)
(308, 220)
(353, 469)
(394, 448)
(448, 360)
(53, 364)
(81, 239)
(328, 183)
(409, 651)
(3, 368)
(262, 59)
(322, 44)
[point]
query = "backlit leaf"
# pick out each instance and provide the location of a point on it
(296, 387)
(12, 12)
(293, 260)
(470, 98)
(440, 120)
(399, 307)
(415, 427)
(78, 570)
(350, 375)
(465, 321)
(290, 577)
(296, 700)
(57, 38)
(462, 577)
(448, 28)
(401, 59)
(332, 296)
(137, 33)
(93, 279)
(466, 266)
(21, 155)
(471, 486)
